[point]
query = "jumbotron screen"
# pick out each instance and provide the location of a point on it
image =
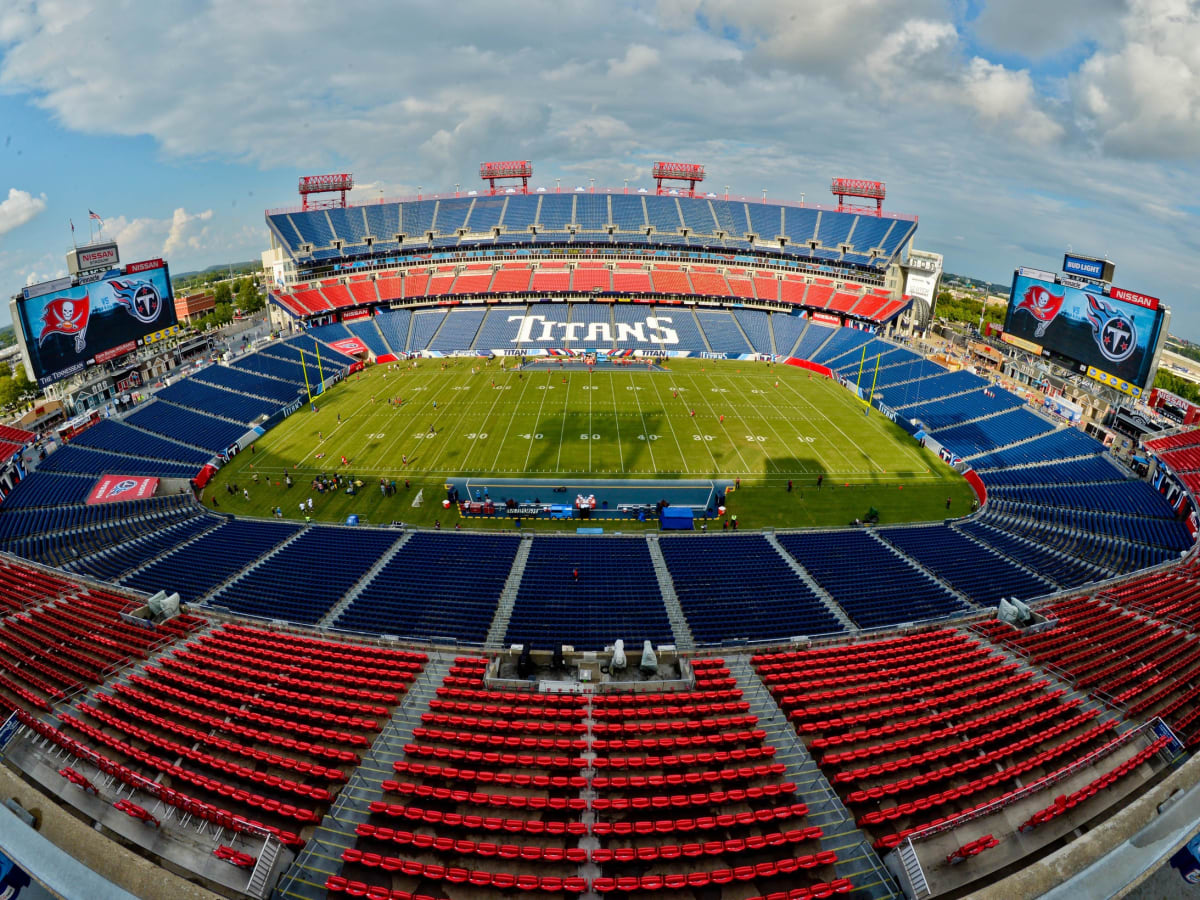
(1107, 333)
(66, 329)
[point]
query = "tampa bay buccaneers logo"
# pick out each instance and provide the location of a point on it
(69, 316)
(1042, 305)
(140, 299)
(1114, 332)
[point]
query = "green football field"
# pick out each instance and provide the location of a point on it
(695, 419)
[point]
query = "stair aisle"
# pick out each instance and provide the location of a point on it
(322, 855)
(857, 860)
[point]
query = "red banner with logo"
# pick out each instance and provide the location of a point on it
(119, 488)
(351, 346)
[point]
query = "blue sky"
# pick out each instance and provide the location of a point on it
(1013, 129)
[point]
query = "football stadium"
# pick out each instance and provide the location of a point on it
(585, 543)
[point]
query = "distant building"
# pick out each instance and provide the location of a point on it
(191, 307)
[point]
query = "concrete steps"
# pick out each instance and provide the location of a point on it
(340, 607)
(684, 640)
(823, 595)
(508, 596)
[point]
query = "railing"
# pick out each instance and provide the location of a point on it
(1146, 730)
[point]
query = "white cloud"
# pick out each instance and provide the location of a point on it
(19, 207)
(1141, 97)
(1002, 96)
(638, 60)
(1036, 29)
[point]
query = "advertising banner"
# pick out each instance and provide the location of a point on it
(118, 488)
(351, 346)
(1115, 335)
(68, 329)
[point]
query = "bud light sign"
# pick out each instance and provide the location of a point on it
(1086, 267)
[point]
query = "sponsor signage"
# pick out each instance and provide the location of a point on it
(1133, 297)
(93, 256)
(826, 318)
(351, 346)
(119, 488)
(144, 266)
(1088, 267)
(1113, 333)
(1027, 346)
(46, 287)
(65, 330)
(1113, 381)
(353, 314)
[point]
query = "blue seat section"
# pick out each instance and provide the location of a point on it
(306, 578)
(383, 220)
(844, 341)
(216, 557)
(393, 325)
(1087, 469)
(814, 337)
(420, 593)
(738, 586)
(864, 357)
(31, 520)
(83, 461)
(112, 436)
(186, 425)
(327, 334)
(1050, 529)
(485, 214)
(365, 331)
(64, 548)
(972, 405)
(722, 331)
(787, 330)
(458, 331)
(1065, 571)
(907, 397)
(1132, 498)
(871, 583)
(217, 401)
(425, 323)
(1164, 532)
(305, 347)
(231, 379)
(514, 213)
(590, 314)
(908, 371)
(45, 489)
(617, 595)
(983, 435)
(1066, 443)
(757, 325)
(349, 225)
(129, 552)
(496, 332)
(275, 367)
(981, 574)
(679, 318)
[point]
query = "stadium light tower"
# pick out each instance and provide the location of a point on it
(506, 171)
(856, 187)
(325, 184)
(692, 173)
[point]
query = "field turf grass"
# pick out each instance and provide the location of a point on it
(779, 424)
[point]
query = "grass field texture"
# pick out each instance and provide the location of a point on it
(762, 424)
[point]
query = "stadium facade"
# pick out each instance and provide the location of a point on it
(829, 712)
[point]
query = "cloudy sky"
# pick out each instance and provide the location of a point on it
(1013, 128)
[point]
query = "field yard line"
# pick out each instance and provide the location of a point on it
(499, 392)
(511, 419)
(563, 430)
(767, 419)
(466, 408)
(839, 431)
(712, 409)
(529, 452)
(699, 433)
(642, 416)
(424, 382)
(370, 414)
(617, 421)
(589, 443)
(667, 418)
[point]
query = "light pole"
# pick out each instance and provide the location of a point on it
(626, 185)
(456, 189)
(418, 192)
(726, 192)
(764, 192)
(557, 185)
(591, 185)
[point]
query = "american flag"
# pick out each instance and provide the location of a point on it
(92, 215)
